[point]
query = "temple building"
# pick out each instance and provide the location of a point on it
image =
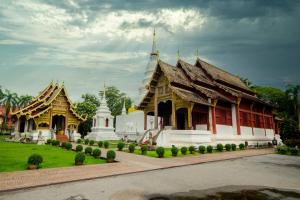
(199, 103)
(51, 112)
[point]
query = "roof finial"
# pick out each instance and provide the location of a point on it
(154, 51)
(124, 107)
(104, 88)
(178, 55)
(197, 53)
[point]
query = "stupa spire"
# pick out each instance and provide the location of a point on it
(154, 50)
(124, 108)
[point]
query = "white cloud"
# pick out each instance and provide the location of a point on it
(11, 42)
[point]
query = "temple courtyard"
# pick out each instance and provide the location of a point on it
(246, 173)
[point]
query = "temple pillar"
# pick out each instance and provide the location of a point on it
(155, 109)
(190, 117)
(214, 121)
(234, 118)
(209, 122)
(251, 118)
(145, 120)
(264, 123)
(26, 125)
(173, 112)
(238, 121)
(17, 125)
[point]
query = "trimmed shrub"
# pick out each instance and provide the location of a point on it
(144, 149)
(63, 144)
(160, 151)
(79, 148)
(174, 151)
(86, 141)
(79, 141)
(100, 144)
(49, 141)
(233, 147)
(91, 142)
(192, 149)
(79, 158)
(110, 155)
(106, 144)
(293, 151)
(209, 149)
(220, 147)
(55, 142)
(120, 146)
(68, 146)
(183, 150)
(88, 150)
(228, 147)
(34, 159)
(282, 150)
(241, 146)
(131, 148)
(201, 149)
(96, 153)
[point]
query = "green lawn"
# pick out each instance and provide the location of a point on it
(13, 156)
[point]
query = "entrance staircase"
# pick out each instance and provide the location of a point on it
(62, 138)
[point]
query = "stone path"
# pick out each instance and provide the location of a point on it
(128, 163)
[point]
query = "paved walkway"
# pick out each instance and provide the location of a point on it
(128, 163)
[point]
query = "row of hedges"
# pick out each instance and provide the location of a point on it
(65, 145)
(101, 144)
(96, 153)
(285, 150)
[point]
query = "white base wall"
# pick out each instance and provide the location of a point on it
(102, 136)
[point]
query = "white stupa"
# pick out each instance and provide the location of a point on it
(102, 123)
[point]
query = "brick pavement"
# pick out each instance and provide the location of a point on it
(128, 163)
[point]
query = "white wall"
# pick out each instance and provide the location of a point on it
(201, 127)
(224, 130)
(259, 132)
(246, 131)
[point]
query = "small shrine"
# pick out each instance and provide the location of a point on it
(102, 123)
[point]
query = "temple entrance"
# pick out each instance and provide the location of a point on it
(200, 117)
(181, 118)
(164, 112)
(58, 124)
(22, 121)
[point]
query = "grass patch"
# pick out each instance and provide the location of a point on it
(13, 156)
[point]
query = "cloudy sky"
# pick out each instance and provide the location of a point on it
(88, 42)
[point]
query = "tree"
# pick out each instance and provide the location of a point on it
(24, 100)
(247, 82)
(9, 101)
(293, 93)
(87, 108)
(115, 100)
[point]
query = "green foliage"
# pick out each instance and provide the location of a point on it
(228, 147)
(120, 146)
(131, 148)
(201, 149)
(79, 148)
(144, 149)
(174, 151)
(88, 150)
(10, 101)
(96, 153)
(68, 146)
(233, 147)
(63, 144)
(282, 150)
(192, 149)
(209, 149)
(160, 151)
(292, 142)
(293, 151)
(111, 154)
(91, 142)
(79, 158)
(220, 147)
(183, 150)
(86, 141)
(100, 144)
(24, 100)
(35, 159)
(106, 144)
(79, 141)
(49, 141)
(242, 146)
(55, 142)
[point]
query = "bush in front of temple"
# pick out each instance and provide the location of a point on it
(106, 144)
(183, 150)
(86, 141)
(220, 147)
(294, 151)
(233, 147)
(131, 148)
(174, 151)
(78, 141)
(79, 148)
(228, 147)
(88, 150)
(68, 146)
(160, 151)
(63, 144)
(96, 153)
(110, 156)
(242, 146)
(192, 149)
(34, 161)
(91, 142)
(49, 141)
(144, 149)
(120, 146)
(209, 149)
(79, 158)
(201, 149)
(282, 150)
(100, 144)
(55, 142)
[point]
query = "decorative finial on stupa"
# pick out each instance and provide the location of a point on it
(124, 107)
(197, 53)
(154, 50)
(104, 88)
